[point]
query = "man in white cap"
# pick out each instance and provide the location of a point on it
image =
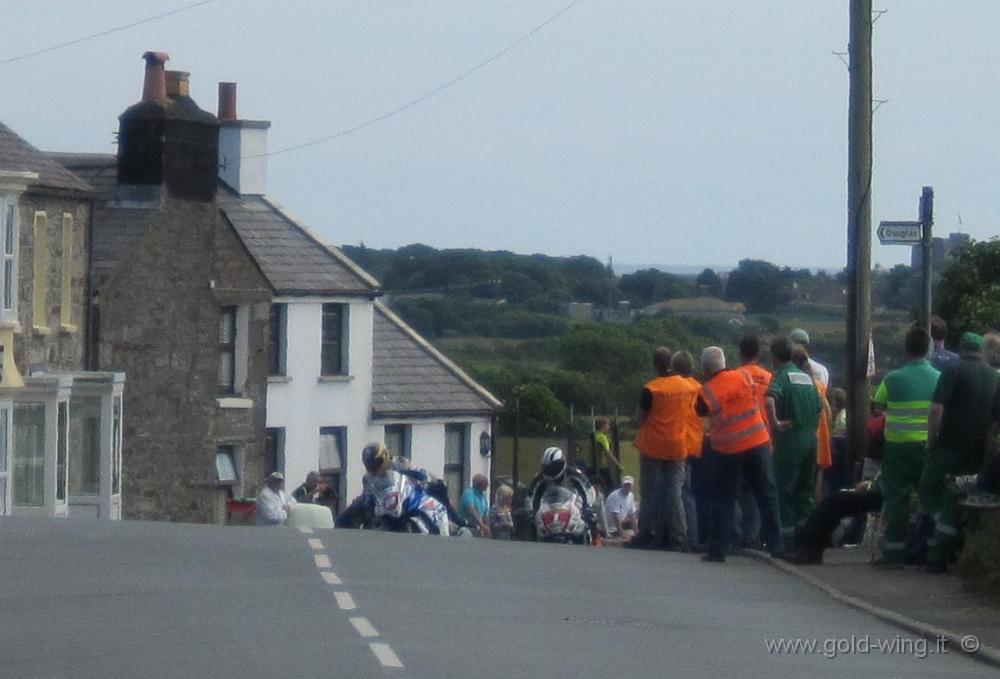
(800, 337)
(619, 510)
(272, 503)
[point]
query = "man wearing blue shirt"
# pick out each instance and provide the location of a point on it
(474, 506)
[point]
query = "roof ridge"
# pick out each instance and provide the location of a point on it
(436, 354)
(334, 252)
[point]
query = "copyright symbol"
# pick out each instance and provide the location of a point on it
(970, 643)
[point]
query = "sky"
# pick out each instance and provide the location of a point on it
(656, 132)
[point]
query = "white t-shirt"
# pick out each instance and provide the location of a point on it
(620, 503)
(819, 371)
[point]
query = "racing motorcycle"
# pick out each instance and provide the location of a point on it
(404, 506)
(562, 512)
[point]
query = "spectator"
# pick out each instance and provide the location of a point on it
(800, 337)
(602, 448)
(824, 456)
(823, 521)
(620, 511)
(682, 363)
(749, 363)
(905, 396)
(650, 517)
(837, 476)
(794, 410)
(664, 420)
(959, 422)
(474, 505)
(316, 491)
(273, 505)
(741, 450)
(600, 530)
(941, 358)
(501, 519)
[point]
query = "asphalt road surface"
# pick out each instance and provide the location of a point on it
(132, 599)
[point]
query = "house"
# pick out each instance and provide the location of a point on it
(180, 306)
(60, 424)
(232, 317)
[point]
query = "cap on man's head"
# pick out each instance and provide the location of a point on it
(276, 476)
(799, 336)
(971, 342)
(627, 480)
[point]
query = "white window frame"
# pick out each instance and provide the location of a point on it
(10, 236)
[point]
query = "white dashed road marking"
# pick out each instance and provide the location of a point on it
(331, 578)
(316, 544)
(345, 601)
(305, 529)
(385, 655)
(322, 561)
(364, 628)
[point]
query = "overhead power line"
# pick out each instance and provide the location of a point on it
(426, 95)
(101, 34)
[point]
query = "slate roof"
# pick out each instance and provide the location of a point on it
(294, 261)
(17, 155)
(116, 230)
(413, 379)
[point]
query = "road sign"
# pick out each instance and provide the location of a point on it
(900, 233)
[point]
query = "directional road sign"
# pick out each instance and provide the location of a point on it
(900, 233)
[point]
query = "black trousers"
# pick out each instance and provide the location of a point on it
(824, 519)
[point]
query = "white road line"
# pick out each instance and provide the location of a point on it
(385, 655)
(364, 628)
(305, 529)
(322, 561)
(316, 544)
(331, 578)
(345, 601)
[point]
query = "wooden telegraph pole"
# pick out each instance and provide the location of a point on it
(859, 229)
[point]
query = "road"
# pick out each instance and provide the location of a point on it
(133, 599)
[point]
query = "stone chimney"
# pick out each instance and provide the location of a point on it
(242, 147)
(178, 84)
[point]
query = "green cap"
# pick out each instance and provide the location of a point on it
(971, 342)
(799, 336)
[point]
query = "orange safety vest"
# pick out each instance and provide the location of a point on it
(696, 425)
(736, 421)
(761, 377)
(824, 454)
(664, 431)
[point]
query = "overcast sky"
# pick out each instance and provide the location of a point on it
(656, 132)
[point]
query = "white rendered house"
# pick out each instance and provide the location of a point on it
(343, 369)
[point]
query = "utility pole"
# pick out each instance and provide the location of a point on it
(859, 229)
(927, 223)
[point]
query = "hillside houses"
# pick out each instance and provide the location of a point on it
(249, 345)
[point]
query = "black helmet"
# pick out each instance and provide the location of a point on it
(553, 464)
(376, 458)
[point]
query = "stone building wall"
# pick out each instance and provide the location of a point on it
(159, 322)
(60, 348)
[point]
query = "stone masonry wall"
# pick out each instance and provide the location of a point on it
(159, 322)
(60, 349)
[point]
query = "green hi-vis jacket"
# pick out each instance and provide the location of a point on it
(906, 396)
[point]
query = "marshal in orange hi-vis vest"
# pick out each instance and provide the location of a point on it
(664, 433)
(736, 421)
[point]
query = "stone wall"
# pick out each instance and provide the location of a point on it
(159, 322)
(61, 348)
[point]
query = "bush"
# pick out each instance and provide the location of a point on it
(979, 566)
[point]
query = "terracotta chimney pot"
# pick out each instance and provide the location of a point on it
(178, 84)
(227, 101)
(154, 87)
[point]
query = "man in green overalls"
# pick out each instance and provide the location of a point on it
(905, 396)
(794, 409)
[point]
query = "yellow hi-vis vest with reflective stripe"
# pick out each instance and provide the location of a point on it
(906, 394)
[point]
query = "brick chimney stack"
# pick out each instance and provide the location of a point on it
(242, 147)
(154, 87)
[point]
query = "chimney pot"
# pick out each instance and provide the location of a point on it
(154, 87)
(178, 84)
(227, 101)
